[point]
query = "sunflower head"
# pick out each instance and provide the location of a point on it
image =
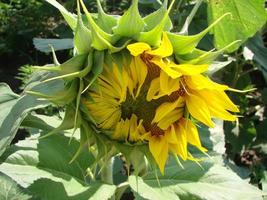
(133, 81)
(153, 99)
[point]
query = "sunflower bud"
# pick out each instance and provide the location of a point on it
(135, 84)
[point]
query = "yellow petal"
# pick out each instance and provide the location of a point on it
(165, 66)
(188, 69)
(153, 89)
(181, 146)
(220, 113)
(199, 82)
(117, 133)
(122, 79)
(164, 50)
(122, 130)
(164, 85)
(192, 134)
(226, 101)
(163, 156)
(167, 84)
(141, 70)
(138, 48)
(199, 109)
(171, 135)
(171, 118)
(217, 99)
(158, 147)
(165, 108)
(111, 120)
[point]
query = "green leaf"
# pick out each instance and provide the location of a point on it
(247, 17)
(68, 122)
(69, 17)
(14, 110)
(42, 167)
(256, 45)
(7, 100)
(43, 45)
(41, 122)
(217, 66)
(213, 182)
(131, 23)
(9, 190)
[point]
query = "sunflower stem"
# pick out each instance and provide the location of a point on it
(189, 19)
(107, 171)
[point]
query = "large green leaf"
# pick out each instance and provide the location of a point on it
(42, 167)
(7, 100)
(9, 190)
(14, 109)
(247, 17)
(211, 182)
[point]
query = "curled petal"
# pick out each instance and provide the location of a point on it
(164, 50)
(138, 48)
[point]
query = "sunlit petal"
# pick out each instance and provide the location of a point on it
(164, 50)
(199, 109)
(138, 48)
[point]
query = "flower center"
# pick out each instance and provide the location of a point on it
(143, 109)
(153, 70)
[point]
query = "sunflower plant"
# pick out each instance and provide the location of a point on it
(133, 90)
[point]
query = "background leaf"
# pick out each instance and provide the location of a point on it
(9, 190)
(213, 181)
(259, 51)
(42, 167)
(247, 17)
(17, 109)
(43, 45)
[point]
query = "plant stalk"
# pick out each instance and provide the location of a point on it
(107, 171)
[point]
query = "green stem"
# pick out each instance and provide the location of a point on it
(189, 19)
(238, 70)
(107, 172)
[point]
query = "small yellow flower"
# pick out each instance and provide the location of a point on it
(147, 100)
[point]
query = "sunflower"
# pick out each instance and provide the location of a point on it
(148, 99)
